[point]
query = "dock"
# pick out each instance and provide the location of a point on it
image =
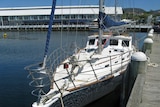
(139, 27)
(84, 27)
(42, 27)
(146, 89)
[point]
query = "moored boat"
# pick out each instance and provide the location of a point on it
(84, 76)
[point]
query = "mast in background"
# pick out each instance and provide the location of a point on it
(115, 10)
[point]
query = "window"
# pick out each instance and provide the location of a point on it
(113, 42)
(125, 43)
(90, 16)
(34, 17)
(46, 17)
(72, 16)
(66, 16)
(103, 41)
(20, 18)
(91, 41)
(83, 17)
(26, 17)
(12, 18)
(57, 17)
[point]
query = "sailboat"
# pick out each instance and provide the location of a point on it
(86, 75)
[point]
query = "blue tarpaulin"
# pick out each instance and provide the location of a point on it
(108, 22)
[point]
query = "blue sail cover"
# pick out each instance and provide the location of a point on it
(108, 22)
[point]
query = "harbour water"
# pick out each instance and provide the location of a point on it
(20, 49)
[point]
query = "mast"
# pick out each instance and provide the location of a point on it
(41, 82)
(49, 31)
(115, 10)
(100, 23)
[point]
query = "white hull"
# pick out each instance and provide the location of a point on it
(86, 95)
(80, 81)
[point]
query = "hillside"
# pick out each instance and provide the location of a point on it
(139, 11)
(136, 10)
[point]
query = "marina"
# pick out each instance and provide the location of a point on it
(18, 50)
(75, 77)
(72, 65)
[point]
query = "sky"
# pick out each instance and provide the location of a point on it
(143, 4)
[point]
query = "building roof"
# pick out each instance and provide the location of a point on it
(45, 10)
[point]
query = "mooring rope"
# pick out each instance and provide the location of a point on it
(151, 64)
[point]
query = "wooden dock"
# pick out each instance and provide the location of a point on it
(146, 90)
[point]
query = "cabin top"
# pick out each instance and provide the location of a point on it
(121, 37)
(107, 40)
(119, 42)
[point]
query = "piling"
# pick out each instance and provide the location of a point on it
(147, 46)
(138, 63)
(150, 35)
(148, 42)
(151, 31)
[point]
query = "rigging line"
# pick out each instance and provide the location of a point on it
(61, 22)
(69, 23)
(77, 23)
(49, 28)
(78, 20)
(93, 11)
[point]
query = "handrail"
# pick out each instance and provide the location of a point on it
(55, 59)
(111, 65)
(43, 76)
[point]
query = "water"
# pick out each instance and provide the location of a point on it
(20, 49)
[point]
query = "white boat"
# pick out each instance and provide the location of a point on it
(86, 75)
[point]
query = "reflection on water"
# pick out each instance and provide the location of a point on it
(20, 49)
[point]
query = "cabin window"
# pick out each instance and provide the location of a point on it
(103, 41)
(113, 42)
(125, 43)
(91, 41)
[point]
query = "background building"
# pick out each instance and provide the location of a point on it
(66, 15)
